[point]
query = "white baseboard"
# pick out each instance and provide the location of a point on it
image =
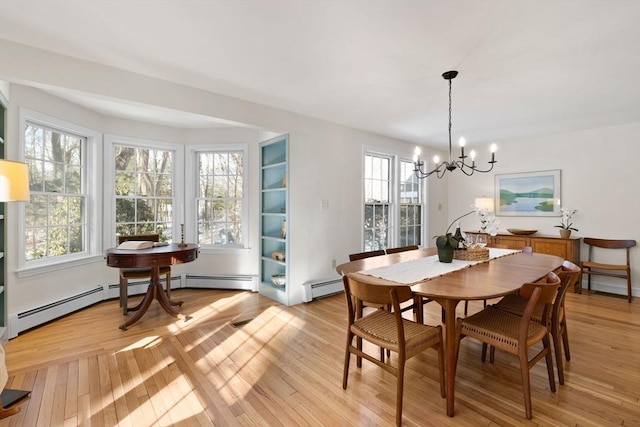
(37, 316)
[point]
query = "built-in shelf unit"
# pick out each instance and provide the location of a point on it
(274, 211)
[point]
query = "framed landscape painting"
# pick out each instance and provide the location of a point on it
(528, 194)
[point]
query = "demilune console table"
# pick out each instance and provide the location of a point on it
(567, 248)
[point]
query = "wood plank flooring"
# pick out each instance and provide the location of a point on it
(284, 368)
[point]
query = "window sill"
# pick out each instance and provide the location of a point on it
(47, 268)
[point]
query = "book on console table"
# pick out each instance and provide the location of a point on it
(140, 244)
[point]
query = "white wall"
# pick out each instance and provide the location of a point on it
(326, 164)
(600, 177)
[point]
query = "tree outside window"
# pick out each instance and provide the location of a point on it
(55, 217)
(220, 197)
(143, 191)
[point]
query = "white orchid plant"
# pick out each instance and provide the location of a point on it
(488, 222)
(565, 222)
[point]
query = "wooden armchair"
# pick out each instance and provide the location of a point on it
(388, 330)
(127, 274)
(516, 334)
(591, 267)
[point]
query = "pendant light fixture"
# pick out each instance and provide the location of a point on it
(451, 165)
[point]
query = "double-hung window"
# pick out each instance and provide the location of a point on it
(393, 203)
(143, 184)
(55, 215)
(60, 218)
(220, 196)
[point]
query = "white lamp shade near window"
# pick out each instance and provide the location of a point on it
(485, 203)
(14, 181)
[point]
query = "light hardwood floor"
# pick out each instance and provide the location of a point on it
(284, 367)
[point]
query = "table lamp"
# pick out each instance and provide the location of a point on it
(484, 203)
(14, 187)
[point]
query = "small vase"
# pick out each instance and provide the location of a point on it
(565, 233)
(445, 254)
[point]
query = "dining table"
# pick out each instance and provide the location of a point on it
(502, 274)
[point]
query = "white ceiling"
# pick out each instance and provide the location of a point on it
(527, 67)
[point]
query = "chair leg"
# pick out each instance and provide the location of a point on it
(399, 392)
(629, 286)
(124, 294)
(565, 339)
(555, 334)
(347, 359)
(168, 286)
(484, 352)
(549, 358)
(526, 384)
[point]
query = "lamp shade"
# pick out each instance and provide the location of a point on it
(484, 203)
(14, 181)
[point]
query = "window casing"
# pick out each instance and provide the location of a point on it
(393, 203)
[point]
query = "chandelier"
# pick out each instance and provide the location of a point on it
(451, 165)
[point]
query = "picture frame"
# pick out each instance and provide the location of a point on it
(528, 193)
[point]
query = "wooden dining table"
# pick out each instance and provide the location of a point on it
(486, 280)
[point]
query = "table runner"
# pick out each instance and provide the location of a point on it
(426, 268)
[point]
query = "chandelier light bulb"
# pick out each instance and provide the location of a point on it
(493, 148)
(436, 159)
(462, 141)
(416, 152)
(472, 154)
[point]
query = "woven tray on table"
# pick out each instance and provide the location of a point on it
(479, 254)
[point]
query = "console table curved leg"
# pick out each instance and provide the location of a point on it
(167, 304)
(141, 308)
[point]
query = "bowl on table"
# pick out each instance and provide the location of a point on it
(521, 232)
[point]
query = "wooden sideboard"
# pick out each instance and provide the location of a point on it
(567, 248)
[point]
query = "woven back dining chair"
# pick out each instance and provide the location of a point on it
(516, 304)
(388, 330)
(516, 334)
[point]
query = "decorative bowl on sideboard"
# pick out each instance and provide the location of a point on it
(521, 231)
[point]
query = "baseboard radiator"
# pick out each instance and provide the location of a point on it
(244, 283)
(40, 315)
(34, 317)
(322, 288)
